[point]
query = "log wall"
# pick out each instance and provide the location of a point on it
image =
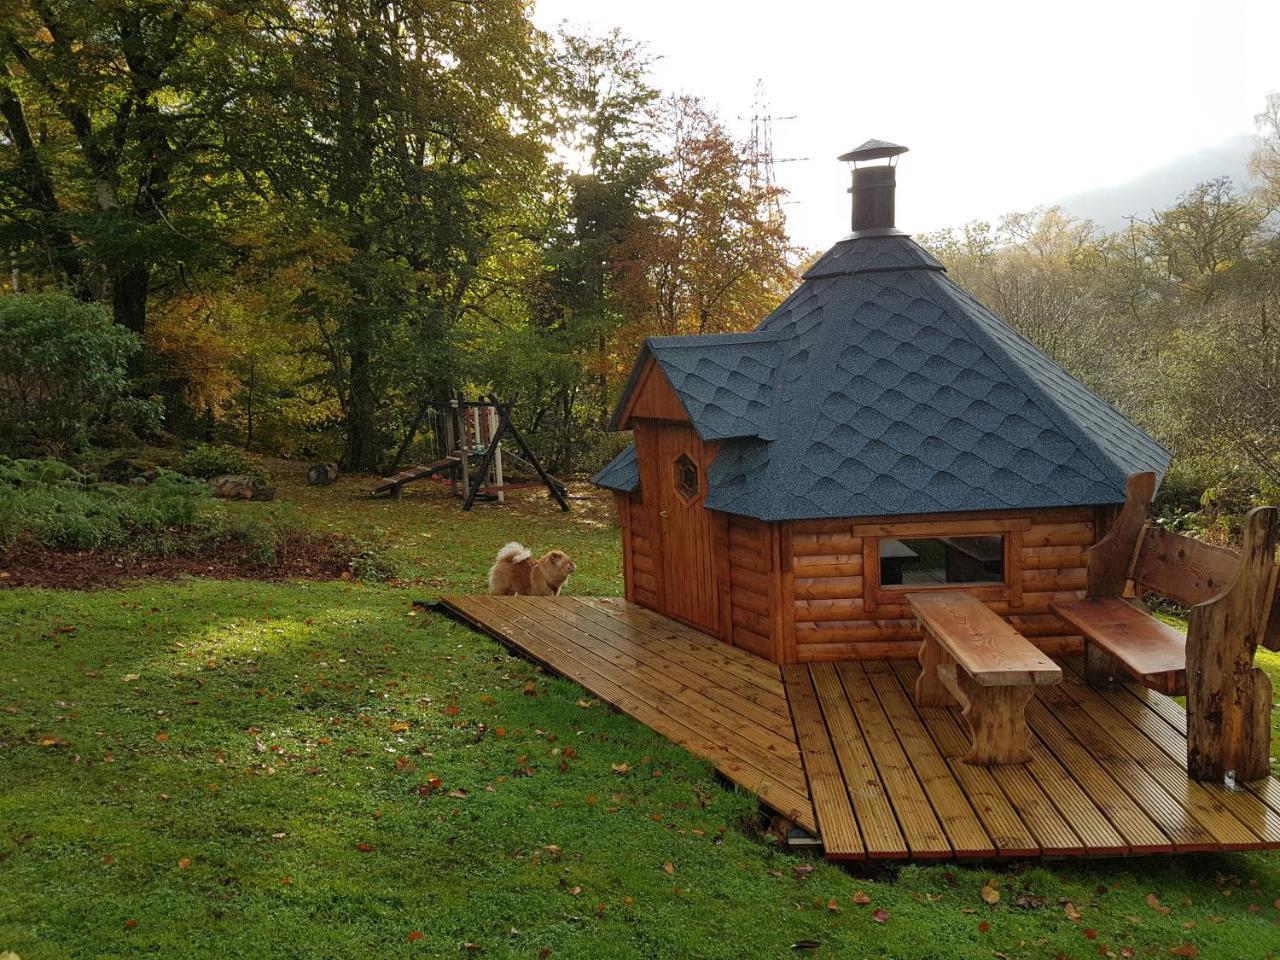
(750, 583)
(640, 568)
(840, 611)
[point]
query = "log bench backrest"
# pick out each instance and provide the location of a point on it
(1184, 570)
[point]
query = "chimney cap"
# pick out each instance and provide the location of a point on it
(873, 150)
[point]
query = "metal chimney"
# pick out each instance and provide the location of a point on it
(873, 187)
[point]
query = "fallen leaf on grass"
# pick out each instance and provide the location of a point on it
(399, 726)
(833, 905)
(415, 936)
(806, 945)
(803, 871)
(364, 847)
(1072, 913)
(860, 898)
(1154, 903)
(52, 742)
(990, 894)
(1186, 950)
(983, 927)
(622, 769)
(669, 868)
(131, 677)
(880, 915)
(184, 863)
(574, 891)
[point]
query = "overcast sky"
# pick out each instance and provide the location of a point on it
(1004, 105)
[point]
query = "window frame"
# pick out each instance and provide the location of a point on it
(1009, 589)
(679, 466)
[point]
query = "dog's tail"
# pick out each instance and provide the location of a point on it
(511, 553)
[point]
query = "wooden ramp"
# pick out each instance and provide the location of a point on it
(716, 701)
(841, 748)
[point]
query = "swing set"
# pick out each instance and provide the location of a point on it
(471, 443)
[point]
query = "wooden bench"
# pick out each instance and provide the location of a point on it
(971, 657)
(1233, 604)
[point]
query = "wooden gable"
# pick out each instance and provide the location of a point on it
(652, 399)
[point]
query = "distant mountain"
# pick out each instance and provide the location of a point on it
(1158, 188)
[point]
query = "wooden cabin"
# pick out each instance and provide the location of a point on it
(880, 433)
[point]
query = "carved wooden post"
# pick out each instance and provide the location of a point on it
(1109, 561)
(1228, 698)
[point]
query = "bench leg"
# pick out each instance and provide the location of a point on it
(930, 690)
(1099, 667)
(997, 721)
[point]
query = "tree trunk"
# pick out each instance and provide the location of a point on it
(130, 285)
(362, 446)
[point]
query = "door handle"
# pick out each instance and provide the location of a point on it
(663, 514)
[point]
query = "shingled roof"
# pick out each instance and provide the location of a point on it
(880, 388)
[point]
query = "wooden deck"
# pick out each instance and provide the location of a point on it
(841, 748)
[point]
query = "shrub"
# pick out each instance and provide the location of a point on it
(214, 459)
(174, 515)
(373, 566)
(63, 368)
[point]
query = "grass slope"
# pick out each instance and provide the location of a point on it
(242, 769)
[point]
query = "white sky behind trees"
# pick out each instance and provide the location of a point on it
(1005, 106)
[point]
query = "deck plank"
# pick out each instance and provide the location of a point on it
(1010, 835)
(771, 727)
(679, 652)
(1213, 807)
(720, 653)
(871, 802)
(968, 837)
(721, 656)
(1131, 818)
(840, 835)
(1150, 712)
(924, 834)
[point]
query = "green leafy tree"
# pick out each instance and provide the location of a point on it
(115, 164)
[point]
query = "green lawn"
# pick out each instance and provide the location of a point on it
(236, 769)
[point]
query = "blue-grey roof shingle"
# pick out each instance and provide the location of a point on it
(621, 473)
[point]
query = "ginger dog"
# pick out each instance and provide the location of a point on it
(516, 573)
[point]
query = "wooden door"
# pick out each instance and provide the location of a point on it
(674, 467)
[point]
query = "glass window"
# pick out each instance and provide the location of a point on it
(941, 560)
(686, 477)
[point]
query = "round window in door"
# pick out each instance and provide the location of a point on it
(686, 477)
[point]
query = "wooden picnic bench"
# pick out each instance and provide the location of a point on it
(1233, 610)
(971, 656)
